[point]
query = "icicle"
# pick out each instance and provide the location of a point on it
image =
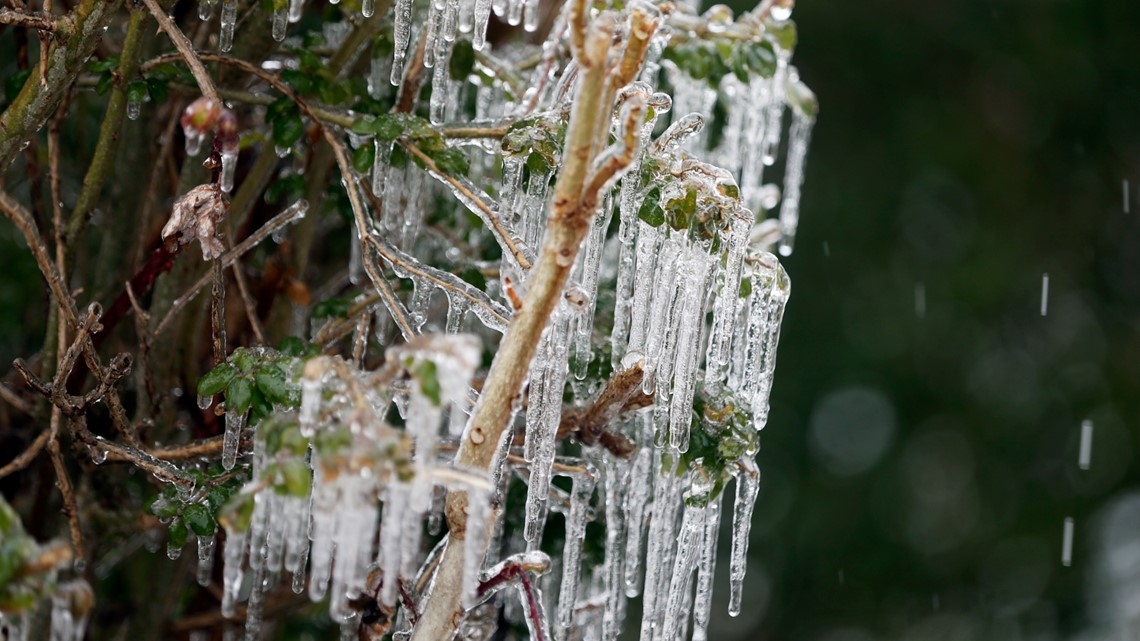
(295, 9)
(514, 12)
(233, 552)
(466, 16)
(310, 405)
(456, 311)
(691, 323)
(775, 108)
(70, 607)
(392, 526)
(582, 490)
(770, 289)
(280, 20)
(725, 305)
(702, 602)
(661, 543)
(355, 259)
(133, 109)
(531, 15)
(799, 137)
(482, 15)
(401, 36)
(648, 273)
(229, 20)
(235, 424)
(747, 487)
(587, 278)
(367, 8)
(381, 164)
(450, 22)
(434, 24)
(194, 140)
(295, 532)
(688, 548)
(206, 546)
(254, 608)
(206, 9)
(173, 551)
(229, 165)
(636, 499)
(542, 428)
(440, 79)
(614, 571)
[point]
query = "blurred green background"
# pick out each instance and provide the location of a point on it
(919, 463)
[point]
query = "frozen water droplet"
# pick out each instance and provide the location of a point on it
(280, 21)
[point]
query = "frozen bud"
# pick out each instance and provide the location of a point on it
(201, 116)
(577, 298)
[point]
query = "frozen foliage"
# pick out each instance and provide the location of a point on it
(658, 358)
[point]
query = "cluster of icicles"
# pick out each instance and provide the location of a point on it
(71, 606)
(667, 282)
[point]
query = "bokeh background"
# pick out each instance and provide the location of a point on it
(922, 451)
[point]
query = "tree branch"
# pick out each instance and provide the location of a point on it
(567, 226)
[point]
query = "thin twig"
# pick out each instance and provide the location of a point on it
(14, 399)
(205, 84)
(27, 456)
(477, 201)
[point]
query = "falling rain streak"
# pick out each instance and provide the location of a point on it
(1045, 294)
(1085, 456)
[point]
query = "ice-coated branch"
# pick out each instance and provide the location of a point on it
(475, 200)
(205, 84)
(568, 223)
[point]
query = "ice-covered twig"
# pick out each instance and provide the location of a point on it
(205, 84)
(477, 201)
(567, 225)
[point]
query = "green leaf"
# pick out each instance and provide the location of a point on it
(287, 130)
(331, 308)
(474, 277)
(451, 161)
(292, 346)
(103, 85)
(136, 91)
(388, 127)
(296, 477)
(271, 381)
(198, 517)
(239, 395)
(332, 92)
(177, 534)
(745, 287)
(300, 81)
(427, 376)
(364, 156)
(158, 89)
(216, 379)
(462, 60)
(536, 163)
(650, 210)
